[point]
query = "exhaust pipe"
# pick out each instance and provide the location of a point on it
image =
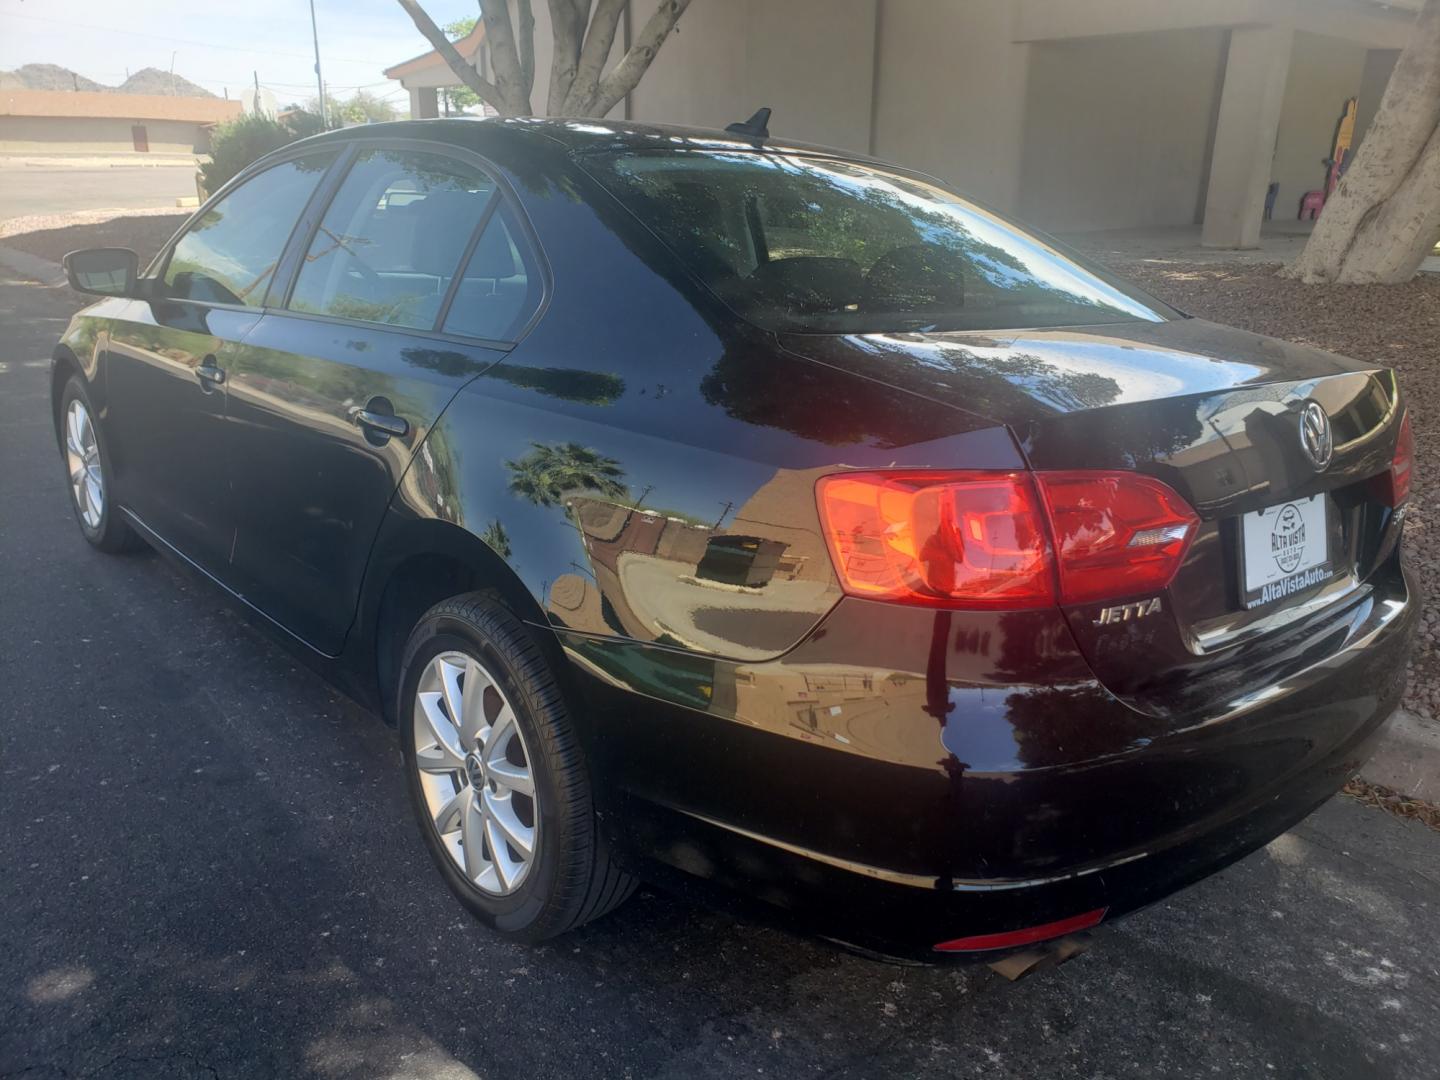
(1041, 957)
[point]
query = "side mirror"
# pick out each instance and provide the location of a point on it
(103, 271)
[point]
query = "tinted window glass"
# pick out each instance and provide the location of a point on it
(805, 243)
(392, 238)
(500, 288)
(229, 255)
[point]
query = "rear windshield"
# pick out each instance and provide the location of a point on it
(800, 243)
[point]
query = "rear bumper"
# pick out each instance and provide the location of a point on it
(898, 804)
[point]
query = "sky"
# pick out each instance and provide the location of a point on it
(220, 43)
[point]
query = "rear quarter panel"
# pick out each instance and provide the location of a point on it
(646, 463)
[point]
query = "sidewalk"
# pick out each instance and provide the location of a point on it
(1407, 761)
(1280, 241)
(99, 161)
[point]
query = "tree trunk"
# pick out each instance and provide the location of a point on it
(505, 56)
(626, 75)
(567, 32)
(1384, 215)
(593, 56)
(582, 35)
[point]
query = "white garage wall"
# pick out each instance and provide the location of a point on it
(811, 61)
(950, 93)
(1118, 129)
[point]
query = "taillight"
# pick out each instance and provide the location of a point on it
(1116, 533)
(967, 539)
(992, 540)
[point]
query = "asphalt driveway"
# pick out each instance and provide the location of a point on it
(207, 868)
(55, 189)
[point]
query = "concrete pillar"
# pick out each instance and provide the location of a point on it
(1257, 64)
(424, 103)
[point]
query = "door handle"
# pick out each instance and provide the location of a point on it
(209, 374)
(383, 424)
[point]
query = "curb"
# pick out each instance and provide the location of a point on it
(1407, 758)
(33, 267)
(12, 161)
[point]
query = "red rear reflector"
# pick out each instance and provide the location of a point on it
(984, 539)
(1116, 533)
(1028, 936)
(951, 539)
(1402, 465)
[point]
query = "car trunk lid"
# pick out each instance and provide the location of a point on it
(1215, 413)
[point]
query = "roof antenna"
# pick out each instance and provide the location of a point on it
(757, 127)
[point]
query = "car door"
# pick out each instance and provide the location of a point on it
(165, 357)
(330, 398)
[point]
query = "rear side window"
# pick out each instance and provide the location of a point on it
(794, 242)
(500, 287)
(392, 239)
(229, 255)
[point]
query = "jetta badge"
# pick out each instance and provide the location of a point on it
(1315, 437)
(1128, 612)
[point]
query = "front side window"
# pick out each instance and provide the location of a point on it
(229, 255)
(392, 239)
(793, 242)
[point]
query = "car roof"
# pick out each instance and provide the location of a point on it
(574, 136)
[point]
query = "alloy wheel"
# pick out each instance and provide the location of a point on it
(82, 459)
(475, 773)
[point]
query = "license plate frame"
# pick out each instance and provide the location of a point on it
(1274, 565)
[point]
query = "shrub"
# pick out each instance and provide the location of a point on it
(303, 122)
(236, 144)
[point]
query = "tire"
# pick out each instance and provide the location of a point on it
(467, 643)
(85, 457)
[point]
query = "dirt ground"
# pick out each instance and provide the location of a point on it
(50, 236)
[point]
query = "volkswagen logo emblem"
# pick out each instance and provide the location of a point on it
(1315, 437)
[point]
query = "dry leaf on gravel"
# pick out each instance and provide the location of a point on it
(1392, 802)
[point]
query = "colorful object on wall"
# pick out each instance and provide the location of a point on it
(1312, 202)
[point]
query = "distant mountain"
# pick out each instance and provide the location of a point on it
(154, 81)
(55, 77)
(46, 77)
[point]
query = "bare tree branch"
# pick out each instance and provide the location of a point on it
(500, 37)
(626, 74)
(488, 92)
(593, 55)
(525, 30)
(567, 25)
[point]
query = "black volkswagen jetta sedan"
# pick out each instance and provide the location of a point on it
(709, 506)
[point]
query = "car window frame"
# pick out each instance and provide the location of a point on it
(155, 272)
(300, 242)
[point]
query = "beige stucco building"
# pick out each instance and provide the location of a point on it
(1075, 114)
(84, 122)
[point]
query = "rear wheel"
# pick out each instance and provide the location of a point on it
(496, 776)
(87, 468)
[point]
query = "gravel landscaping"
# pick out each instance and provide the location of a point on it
(1398, 326)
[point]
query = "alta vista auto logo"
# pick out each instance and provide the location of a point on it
(1287, 538)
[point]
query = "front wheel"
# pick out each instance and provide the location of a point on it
(87, 468)
(496, 775)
